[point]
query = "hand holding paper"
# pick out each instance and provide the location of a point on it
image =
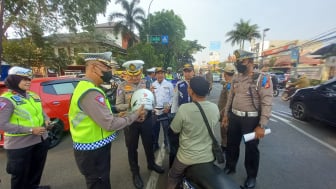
(250, 136)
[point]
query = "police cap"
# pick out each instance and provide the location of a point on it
(241, 54)
(133, 67)
(229, 69)
(105, 58)
(188, 66)
(20, 71)
(159, 69)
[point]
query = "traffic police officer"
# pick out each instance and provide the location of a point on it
(169, 74)
(92, 124)
(180, 97)
(228, 73)
(250, 101)
(145, 128)
(23, 121)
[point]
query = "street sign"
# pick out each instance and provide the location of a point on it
(155, 38)
(164, 39)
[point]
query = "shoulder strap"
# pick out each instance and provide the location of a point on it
(206, 122)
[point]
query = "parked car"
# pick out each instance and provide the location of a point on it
(318, 102)
(55, 95)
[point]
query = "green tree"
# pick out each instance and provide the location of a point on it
(28, 17)
(145, 52)
(126, 23)
(166, 22)
(243, 31)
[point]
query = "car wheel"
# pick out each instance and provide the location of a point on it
(299, 111)
(55, 134)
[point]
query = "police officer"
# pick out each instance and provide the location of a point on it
(250, 100)
(181, 96)
(169, 75)
(228, 73)
(143, 129)
(23, 121)
(92, 124)
(163, 91)
(150, 77)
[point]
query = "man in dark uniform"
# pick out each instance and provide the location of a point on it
(250, 101)
(145, 129)
(180, 97)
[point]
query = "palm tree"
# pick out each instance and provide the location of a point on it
(243, 31)
(129, 21)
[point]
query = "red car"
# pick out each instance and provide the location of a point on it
(55, 95)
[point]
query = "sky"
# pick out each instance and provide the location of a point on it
(209, 20)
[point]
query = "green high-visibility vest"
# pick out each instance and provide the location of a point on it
(86, 133)
(27, 111)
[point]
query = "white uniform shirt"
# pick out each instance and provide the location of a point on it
(163, 92)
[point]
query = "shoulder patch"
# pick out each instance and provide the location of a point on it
(265, 82)
(100, 99)
(16, 98)
(3, 105)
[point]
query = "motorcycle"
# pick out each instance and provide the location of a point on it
(206, 176)
(276, 91)
(288, 92)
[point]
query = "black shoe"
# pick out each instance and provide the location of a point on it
(250, 182)
(229, 170)
(156, 168)
(137, 181)
(44, 187)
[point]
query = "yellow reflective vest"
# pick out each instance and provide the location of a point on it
(86, 133)
(27, 111)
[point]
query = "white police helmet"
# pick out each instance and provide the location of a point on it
(142, 97)
(16, 70)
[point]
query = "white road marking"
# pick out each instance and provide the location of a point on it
(305, 133)
(154, 177)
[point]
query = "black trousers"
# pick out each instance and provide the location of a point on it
(95, 165)
(26, 165)
(164, 121)
(132, 133)
(238, 126)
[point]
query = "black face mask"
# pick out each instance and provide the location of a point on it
(241, 68)
(107, 76)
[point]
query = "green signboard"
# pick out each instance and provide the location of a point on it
(155, 38)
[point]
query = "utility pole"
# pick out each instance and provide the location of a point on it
(262, 45)
(148, 17)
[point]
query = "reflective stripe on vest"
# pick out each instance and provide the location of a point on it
(27, 111)
(86, 133)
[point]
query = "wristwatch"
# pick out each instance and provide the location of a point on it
(31, 130)
(261, 126)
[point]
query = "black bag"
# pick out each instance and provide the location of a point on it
(216, 149)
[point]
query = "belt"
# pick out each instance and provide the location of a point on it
(158, 111)
(245, 114)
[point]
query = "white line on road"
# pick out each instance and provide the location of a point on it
(305, 133)
(154, 177)
(274, 120)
